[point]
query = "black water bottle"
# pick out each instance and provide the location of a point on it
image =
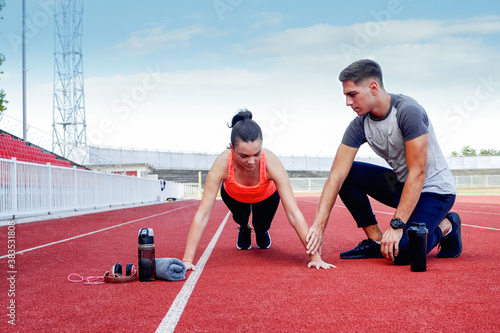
(417, 239)
(147, 265)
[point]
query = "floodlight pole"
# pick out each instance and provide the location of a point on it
(69, 124)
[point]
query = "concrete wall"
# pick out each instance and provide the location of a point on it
(203, 161)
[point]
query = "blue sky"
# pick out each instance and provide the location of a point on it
(168, 75)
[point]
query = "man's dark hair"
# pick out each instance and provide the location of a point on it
(361, 70)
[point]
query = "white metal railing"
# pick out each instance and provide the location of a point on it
(204, 160)
(307, 185)
(484, 181)
(192, 191)
(315, 185)
(36, 189)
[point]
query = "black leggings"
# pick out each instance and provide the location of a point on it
(262, 212)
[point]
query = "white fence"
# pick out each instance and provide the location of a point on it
(315, 185)
(35, 189)
(486, 181)
(28, 189)
(192, 191)
(307, 185)
(99, 155)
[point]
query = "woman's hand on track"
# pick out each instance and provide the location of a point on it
(318, 263)
(189, 266)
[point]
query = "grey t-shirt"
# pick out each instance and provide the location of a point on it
(406, 120)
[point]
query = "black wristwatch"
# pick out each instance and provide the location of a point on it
(396, 223)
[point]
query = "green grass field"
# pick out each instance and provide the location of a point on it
(478, 191)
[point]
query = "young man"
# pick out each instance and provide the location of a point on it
(419, 185)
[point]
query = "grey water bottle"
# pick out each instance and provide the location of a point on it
(417, 239)
(147, 267)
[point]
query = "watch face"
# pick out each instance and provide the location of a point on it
(397, 223)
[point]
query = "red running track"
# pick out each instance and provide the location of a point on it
(255, 290)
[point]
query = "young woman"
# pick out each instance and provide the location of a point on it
(253, 181)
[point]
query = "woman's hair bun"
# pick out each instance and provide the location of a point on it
(244, 128)
(242, 114)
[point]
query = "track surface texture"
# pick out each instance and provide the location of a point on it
(257, 290)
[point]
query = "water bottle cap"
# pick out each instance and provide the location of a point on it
(417, 224)
(417, 228)
(146, 236)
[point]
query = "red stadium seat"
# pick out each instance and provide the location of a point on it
(11, 147)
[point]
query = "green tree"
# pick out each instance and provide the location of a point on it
(489, 152)
(468, 151)
(3, 101)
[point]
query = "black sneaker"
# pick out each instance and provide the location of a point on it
(244, 240)
(365, 249)
(263, 239)
(451, 244)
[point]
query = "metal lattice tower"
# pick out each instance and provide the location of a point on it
(69, 124)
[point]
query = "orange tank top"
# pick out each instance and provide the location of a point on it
(249, 194)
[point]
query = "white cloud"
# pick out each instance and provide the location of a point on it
(266, 19)
(294, 93)
(292, 41)
(159, 38)
(189, 110)
(476, 25)
(421, 54)
(373, 34)
(439, 63)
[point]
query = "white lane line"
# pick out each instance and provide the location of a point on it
(173, 315)
(476, 226)
(93, 232)
(475, 212)
(462, 211)
(340, 206)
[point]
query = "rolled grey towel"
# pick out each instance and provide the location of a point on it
(170, 269)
